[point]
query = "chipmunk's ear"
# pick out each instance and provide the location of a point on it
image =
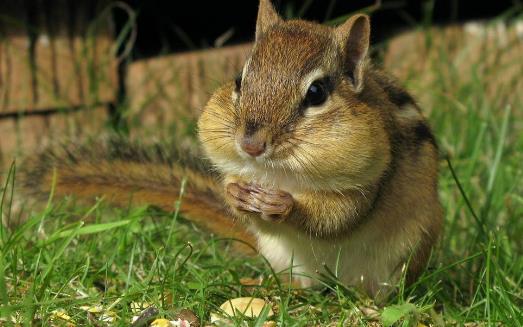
(267, 17)
(354, 38)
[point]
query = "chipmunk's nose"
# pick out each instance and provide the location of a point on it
(252, 146)
(254, 140)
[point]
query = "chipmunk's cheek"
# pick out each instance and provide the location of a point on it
(367, 156)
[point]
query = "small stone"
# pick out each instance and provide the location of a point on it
(248, 306)
(161, 323)
(370, 312)
(188, 315)
(250, 284)
(180, 323)
(247, 281)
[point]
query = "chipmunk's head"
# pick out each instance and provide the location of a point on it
(296, 108)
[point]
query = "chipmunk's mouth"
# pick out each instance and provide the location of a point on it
(261, 157)
(274, 157)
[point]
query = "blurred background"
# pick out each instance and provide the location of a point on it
(167, 26)
(146, 68)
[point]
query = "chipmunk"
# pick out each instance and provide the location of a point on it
(325, 162)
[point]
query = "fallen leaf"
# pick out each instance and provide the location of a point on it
(137, 307)
(60, 314)
(108, 316)
(92, 308)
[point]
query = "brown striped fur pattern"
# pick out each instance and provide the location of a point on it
(125, 173)
(350, 183)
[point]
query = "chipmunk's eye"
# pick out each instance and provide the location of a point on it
(316, 94)
(238, 82)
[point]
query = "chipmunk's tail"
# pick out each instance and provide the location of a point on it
(125, 173)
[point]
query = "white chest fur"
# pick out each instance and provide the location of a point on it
(360, 259)
(370, 257)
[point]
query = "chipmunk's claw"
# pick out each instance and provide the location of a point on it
(240, 198)
(273, 205)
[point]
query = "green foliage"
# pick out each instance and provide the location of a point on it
(407, 311)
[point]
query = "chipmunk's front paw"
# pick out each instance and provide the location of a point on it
(272, 205)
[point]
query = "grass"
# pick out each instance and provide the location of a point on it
(66, 256)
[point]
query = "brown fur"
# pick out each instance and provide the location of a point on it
(124, 174)
(365, 161)
(357, 173)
